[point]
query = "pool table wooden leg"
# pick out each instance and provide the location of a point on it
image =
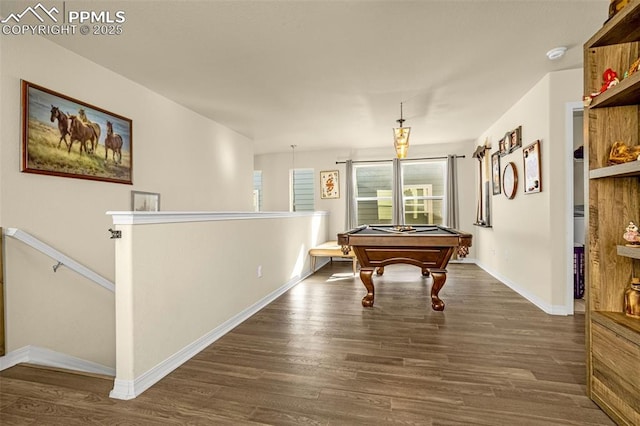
(439, 279)
(365, 277)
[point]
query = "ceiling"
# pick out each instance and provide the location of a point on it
(329, 74)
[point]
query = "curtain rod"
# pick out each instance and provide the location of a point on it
(406, 159)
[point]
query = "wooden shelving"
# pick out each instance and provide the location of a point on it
(622, 28)
(632, 252)
(619, 170)
(624, 93)
(623, 325)
(612, 338)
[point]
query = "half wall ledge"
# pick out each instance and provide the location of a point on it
(136, 218)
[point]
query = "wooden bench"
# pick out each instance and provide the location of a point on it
(331, 249)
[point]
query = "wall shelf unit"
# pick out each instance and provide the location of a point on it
(612, 338)
(632, 252)
(619, 170)
(624, 93)
(622, 28)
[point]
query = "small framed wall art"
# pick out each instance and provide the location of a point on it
(145, 201)
(495, 172)
(515, 138)
(329, 184)
(532, 175)
(503, 147)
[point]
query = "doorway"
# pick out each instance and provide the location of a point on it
(576, 199)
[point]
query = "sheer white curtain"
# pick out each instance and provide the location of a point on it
(396, 194)
(453, 214)
(350, 210)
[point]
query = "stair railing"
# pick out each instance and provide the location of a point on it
(59, 257)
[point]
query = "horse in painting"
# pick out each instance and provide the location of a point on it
(113, 142)
(96, 128)
(82, 133)
(63, 124)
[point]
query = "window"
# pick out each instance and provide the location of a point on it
(423, 192)
(257, 190)
(302, 191)
(373, 193)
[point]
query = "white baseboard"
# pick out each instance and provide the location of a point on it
(463, 260)
(129, 389)
(14, 357)
(123, 389)
(46, 357)
(543, 305)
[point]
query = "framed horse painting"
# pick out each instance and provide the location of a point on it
(62, 136)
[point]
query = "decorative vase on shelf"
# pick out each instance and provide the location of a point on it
(632, 235)
(632, 299)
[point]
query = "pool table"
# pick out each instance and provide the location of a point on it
(428, 247)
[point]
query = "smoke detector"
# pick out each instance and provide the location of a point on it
(556, 53)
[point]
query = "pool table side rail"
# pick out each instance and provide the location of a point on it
(453, 238)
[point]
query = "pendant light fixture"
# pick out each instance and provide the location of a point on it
(401, 137)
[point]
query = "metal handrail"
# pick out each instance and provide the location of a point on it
(59, 257)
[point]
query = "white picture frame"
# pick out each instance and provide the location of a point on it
(145, 201)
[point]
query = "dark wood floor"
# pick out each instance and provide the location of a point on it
(316, 356)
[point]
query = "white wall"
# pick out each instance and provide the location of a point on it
(275, 177)
(526, 248)
(195, 163)
(3, 112)
(180, 286)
